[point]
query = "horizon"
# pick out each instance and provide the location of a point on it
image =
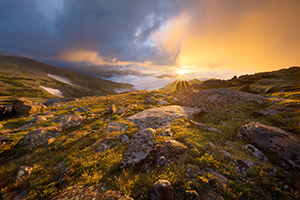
(140, 42)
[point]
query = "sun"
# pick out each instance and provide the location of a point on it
(182, 71)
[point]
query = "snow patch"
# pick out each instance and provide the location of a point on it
(61, 79)
(52, 91)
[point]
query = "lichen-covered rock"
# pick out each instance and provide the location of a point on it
(69, 121)
(38, 136)
(24, 171)
(115, 127)
(162, 190)
(255, 152)
(139, 148)
(278, 145)
(158, 117)
(212, 98)
(23, 106)
(111, 142)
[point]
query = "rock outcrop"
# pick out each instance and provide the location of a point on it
(139, 148)
(280, 146)
(38, 137)
(212, 98)
(158, 117)
(23, 106)
(162, 190)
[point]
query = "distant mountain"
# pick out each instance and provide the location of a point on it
(25, 77)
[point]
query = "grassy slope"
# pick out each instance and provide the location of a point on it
(20, 76)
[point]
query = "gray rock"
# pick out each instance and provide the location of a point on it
(280, 146)
(205, 127)
(81, 109)
(139, 148)
(111, 110)
(255, 152)
(22, 106)
(223, 180)
(226, 154)
(24, 171)
(69, 121)
(243, 165)
(158, 117)
(115, 127)
(111, 142)
(162, 102)
(191, 195)
(212, 98)
(39, 136)
(162, 190)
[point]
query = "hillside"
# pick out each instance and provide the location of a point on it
(213, 143)
(23, 77)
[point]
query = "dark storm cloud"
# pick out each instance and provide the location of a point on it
(115, 29)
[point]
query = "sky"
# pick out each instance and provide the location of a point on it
(135, 41)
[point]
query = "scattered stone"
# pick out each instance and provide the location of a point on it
(24, 171)
(243, 165)
(139, 148)
(255, 152)
(265, 113)
(62, 170)
(223, 180)
(162, 190)
(38, 136)
(69, 121)
(111, 142)
(162, 161)
(22, 106)
(53, 101)
(212, 98)
(81, 109)
(205, 127)
(191, 195)
(226, 154)
(162, 102)
(149, 100)
(107, 120)
(158, 117)
(111, 110)
(229, 143)
(212, 144)
(280, 146)
(115, 127)
(126, 109)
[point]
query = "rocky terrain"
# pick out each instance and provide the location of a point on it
(234, 139)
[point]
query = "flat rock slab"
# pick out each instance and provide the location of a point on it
(219, 97)
(158, 117)
(278, 145)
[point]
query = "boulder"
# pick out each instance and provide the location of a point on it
(191, 195)
(139, 148)
(278, 145)
(162, 190)
(69, 121)
(23, 106)
(111, 142)
(24, 171)
(115, 127)
(158, 117)
(38, 137)
(209, 99)
(205, 127)
(52, 101)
